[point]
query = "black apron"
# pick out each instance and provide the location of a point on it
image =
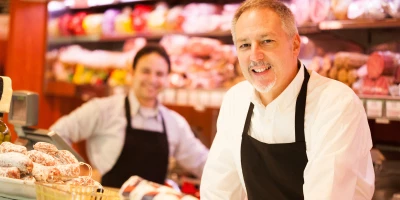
(145, 153)
(275, 171)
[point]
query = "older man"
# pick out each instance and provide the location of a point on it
(286, 132)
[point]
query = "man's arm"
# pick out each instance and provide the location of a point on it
(220, 180)
(340, 165)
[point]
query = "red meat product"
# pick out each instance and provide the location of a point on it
(368, 86)
(319, 10)
(41, 158)
(382, 86)
(10, 172)
(13, 159)
(46, 148)
(10, 147)
(397, 75)
(65, 157)
(381, 63)
(46, 173)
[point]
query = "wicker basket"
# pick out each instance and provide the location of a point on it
(50, 191)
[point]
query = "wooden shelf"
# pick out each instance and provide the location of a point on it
(376, 106)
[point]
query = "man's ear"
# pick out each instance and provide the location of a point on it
(296, 44)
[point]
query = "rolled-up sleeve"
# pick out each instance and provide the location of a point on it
(80, 124)
(220, 180)
(340, 165)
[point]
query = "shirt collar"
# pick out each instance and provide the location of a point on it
(136, 108)
(287, 97)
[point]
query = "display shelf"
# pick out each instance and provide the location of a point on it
(112, 4)
(359, 24)
(381, 108)
(115, 38)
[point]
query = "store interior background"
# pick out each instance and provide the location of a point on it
(24, 43)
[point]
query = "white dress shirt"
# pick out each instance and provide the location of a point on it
(337, 135)
(102, 123)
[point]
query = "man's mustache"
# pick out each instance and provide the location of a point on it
(259, 63)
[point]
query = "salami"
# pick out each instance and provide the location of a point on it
(65, 157)
(41, 158)
(45, 173)
(46, 148)
(10, 147)
(381, 63)
(10, 172)
(350, 60)
(68, 171)
(13, 159)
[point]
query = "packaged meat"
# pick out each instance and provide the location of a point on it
(14, 159)
(382, 63)
(138, 188)
(65, 157)
(10, 172)
(46, 148)
(319, 10)
(379, 86)
(10, 147)
(349, 60)
(301, 10)
(41, 158)
(43, 173)
(339, 8)
(109, 21)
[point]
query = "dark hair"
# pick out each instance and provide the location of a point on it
(152, 48)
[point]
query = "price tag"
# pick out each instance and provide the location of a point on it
(193, 97)
(374, 108)
(204, 98)
(169, 96)
(393, 109)
(215, 98)
(181, 97)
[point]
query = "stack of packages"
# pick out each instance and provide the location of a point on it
(138, 188)
(373, 74)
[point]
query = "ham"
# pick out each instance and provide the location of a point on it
(381, 63)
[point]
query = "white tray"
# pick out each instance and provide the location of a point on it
(18, 189)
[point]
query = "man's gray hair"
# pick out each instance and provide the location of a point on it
(286, 15)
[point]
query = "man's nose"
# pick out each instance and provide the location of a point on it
(256, 53)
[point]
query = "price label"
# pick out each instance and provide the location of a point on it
(374, 108)
(204, 98)
(216, 98)
(181, 97)
(169, 96)
(393, 109)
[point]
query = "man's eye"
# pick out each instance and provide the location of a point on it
(244, 46)
(267, 41)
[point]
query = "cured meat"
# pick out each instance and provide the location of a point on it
(46, 148)
(41, 158)
(10, 147)
(381, 63)
(339, 8)
(65, 157)
(379, 86)
(342, 75)
(349, 60)
(10, 172)
(46, 173)
(69, 171)
(319, 10)
(13, 159)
